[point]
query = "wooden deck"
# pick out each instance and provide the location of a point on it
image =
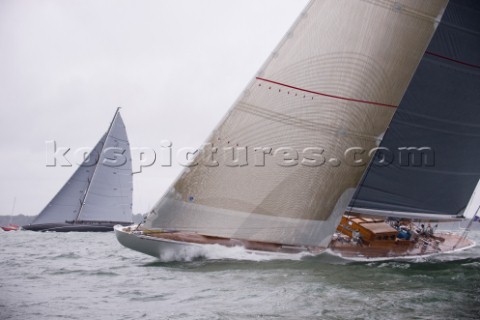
(341, 245)
(424, 246)
(191, 237)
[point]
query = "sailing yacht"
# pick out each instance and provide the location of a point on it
(333, 83)
(99, 193)
(11, 226)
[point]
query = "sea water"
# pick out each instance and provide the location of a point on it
(91, 276)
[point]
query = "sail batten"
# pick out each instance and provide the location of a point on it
(332, 83)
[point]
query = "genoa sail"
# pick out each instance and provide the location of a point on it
(66, 204)
(428, 167)
(275, 169)
(100, 190)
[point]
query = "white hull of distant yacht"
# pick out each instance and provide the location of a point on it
(173, 250)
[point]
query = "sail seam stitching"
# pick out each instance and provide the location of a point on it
(329, 95)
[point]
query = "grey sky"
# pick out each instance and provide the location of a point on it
(174, 66)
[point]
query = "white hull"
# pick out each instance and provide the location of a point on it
(170, 250)
(149, 245)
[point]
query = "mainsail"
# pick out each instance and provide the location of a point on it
(275, 169)
(100, 190)
(109, 197)
(432, 168)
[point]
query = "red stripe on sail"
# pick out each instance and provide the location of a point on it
(453, 60)
(329, 95)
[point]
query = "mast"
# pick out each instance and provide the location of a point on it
(14, 202)
(82, 203)
(109, 195)
(82, 200)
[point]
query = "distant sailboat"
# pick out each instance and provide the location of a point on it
(333, 83)
(11, 226)
(99, 193)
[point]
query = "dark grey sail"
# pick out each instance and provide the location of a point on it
(437, 124)
(99, 193)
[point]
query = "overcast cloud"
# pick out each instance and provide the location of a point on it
(174, 66)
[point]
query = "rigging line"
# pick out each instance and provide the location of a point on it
(82, 201)
(431, 128)
(467, 229)
(437, 119)
(452, 60)
(143, 221)
(329, 95)
(403, 9)
(96, 166)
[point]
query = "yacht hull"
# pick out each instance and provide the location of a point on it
(10, 228)
(149, 245)
(174, 250)
(57, 227)
(450, 243)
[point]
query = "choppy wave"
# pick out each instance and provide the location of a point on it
(219, 252)
(85, 275)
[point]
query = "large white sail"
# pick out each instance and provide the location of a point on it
(333, 83)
